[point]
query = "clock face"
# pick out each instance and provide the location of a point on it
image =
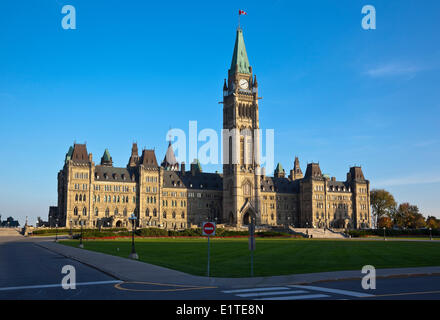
(243, 83)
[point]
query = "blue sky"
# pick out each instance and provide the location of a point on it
(333, 92)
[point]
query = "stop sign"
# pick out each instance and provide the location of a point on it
(208, 229)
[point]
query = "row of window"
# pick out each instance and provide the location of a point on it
(151, 179)
(151, 199)
(116, 199)
(173, 215)
(81, 175)
(81, 197)
(110, 188)
(77, 186)
(173, 203)
(174, 194)
(151, 189)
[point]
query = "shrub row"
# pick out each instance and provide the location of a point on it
(76, 230)
(156, 232)
(393, 233)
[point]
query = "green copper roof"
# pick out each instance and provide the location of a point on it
(240, 57)
(106, 156)
(69, 154)
(279, 168)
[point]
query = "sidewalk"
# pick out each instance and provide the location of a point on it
(132, 270)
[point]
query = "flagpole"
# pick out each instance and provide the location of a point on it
(238, 20)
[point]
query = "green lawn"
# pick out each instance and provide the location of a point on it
(231, 258)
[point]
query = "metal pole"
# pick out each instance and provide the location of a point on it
(208, 253)
(132, 239)
(81, 238)
(252, 262)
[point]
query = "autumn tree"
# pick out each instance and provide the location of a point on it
(408, 216)
(382, 204)
(432, 222)
(385, 222)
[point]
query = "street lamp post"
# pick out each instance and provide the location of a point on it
(81, 237)
(430, 233)
(384, 237)
(56, 230)
(133, 254)
(307, 228)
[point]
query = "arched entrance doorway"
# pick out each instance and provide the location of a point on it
(119, 224)
(248, 217)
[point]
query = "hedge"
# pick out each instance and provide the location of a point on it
(156, 232)
(393, 233)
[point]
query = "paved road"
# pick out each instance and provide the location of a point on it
(28, 271)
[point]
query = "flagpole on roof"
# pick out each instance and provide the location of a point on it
(238, 19)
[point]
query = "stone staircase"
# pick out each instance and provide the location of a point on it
(318, 233)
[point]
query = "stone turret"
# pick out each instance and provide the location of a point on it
(296, 173)
(134, 158)
(279, 171)
(170, 162)
(106, 159)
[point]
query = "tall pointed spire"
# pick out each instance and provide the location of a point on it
(240, 62)
(170, 162)
(134, 158)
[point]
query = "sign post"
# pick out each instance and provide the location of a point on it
(252, 244)
(208, 229)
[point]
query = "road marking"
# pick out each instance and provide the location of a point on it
(256, 289)
(271, 293)
(403, 294)
(180, 287)
(305, 296)
(338, 291)
(59, 285)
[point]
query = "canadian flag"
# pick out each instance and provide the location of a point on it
(240, 12)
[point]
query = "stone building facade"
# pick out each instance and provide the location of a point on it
(169, 196)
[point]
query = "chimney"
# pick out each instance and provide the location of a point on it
(182, 168)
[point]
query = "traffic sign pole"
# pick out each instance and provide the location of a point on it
(252, 244)
(208, 229)
(208, 254)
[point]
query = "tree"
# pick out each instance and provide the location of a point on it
(432, 222)
(385, 222)
(408, 216)
(382, 204)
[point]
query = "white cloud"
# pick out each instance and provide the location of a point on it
(409, 180)
(393, 70)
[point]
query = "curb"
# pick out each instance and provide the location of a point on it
(258, 281)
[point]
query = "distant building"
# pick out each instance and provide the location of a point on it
(53, 216)
(9, 222)
(169, 196)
